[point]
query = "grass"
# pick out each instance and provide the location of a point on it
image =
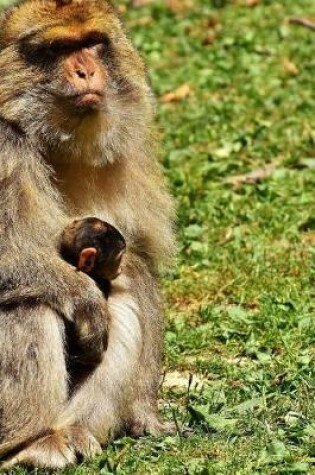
(240, 332)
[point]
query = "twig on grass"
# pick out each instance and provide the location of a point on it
(302, 22)
(252, 177)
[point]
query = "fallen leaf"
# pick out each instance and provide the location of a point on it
(306, 22)
(179, 6)
(290, 68)
(309, 238)
(252, 177)
(175, 379)
(209, 39)
(252, 3)
(122, 9)
(213, 22)
(183, 92)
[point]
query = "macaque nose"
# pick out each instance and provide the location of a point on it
(86, 75)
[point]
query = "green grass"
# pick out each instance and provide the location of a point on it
(240, 300)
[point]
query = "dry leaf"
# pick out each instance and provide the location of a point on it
(122, 9)
(213, 22)
(252, 177)
(183, 92)
(309, 238)
(174, 5)
(179, 6)
(175, 379)
(290, 68)
(209, 39)
(252, 3)
(306, 22)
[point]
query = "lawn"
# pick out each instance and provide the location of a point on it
(235, 87)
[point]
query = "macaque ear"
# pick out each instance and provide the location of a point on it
(87, 259)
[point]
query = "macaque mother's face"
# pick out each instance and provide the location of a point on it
(73, 56)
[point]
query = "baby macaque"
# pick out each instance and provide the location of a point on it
(97, 249)
(94, 247)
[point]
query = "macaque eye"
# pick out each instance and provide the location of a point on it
(97, 45)
(59, 48)
(99, 50)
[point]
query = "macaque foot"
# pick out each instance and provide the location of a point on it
(57, 450)
(151, 425)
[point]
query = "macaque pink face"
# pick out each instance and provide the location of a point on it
(84, 75)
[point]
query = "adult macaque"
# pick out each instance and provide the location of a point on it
(75, 140)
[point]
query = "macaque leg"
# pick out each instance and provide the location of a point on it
(102, 402)
(122, 393)
(34, 390)
(144, 417)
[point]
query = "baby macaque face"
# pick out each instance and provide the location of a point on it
(94, 247)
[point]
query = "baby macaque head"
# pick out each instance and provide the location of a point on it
(94, 247)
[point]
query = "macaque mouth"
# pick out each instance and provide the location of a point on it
(90, 98)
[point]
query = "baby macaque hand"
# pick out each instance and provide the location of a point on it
(91, 331)
(90, 323)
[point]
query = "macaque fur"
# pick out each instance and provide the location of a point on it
(75, 141)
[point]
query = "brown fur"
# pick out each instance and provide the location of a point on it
(56, 165)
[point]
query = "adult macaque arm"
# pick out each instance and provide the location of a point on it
(72, 294)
